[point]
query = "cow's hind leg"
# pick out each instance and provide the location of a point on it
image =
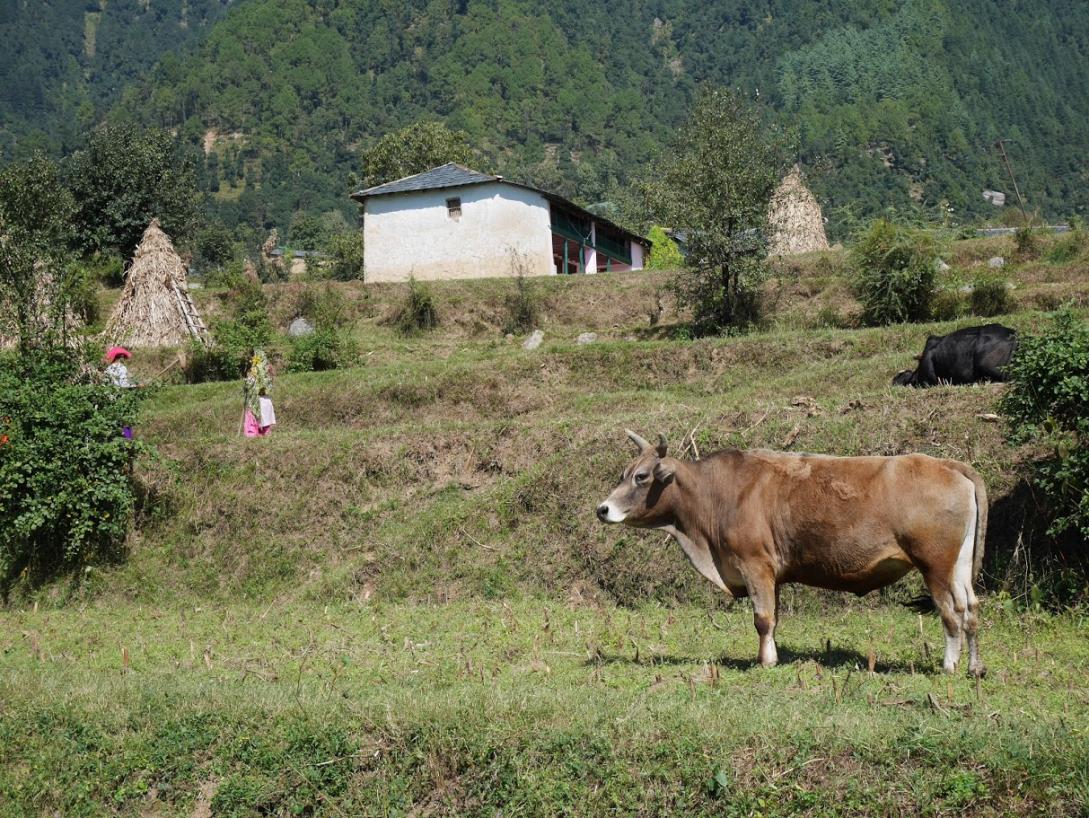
(941, 589)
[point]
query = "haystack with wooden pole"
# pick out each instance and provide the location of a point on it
(155, 309)
(797, 224)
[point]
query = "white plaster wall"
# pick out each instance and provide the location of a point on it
(411, 234)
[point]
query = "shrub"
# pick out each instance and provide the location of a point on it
(945, 305)
(321, 350)
(331, 345)
(230, 276)
(664, 253)
(990, 296)
(1026, 242)
(105, 268)
(1048, 402)
(66, 491)
(324, 307)
(894, 273)
(418, 312)
(345, 261)
(1070, 245)
(521, 306)
(233, 339)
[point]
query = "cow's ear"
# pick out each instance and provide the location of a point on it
(662, 446)
(663, 472)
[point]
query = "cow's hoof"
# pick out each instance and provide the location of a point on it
(977, 671)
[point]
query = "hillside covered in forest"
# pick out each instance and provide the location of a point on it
(896, 105)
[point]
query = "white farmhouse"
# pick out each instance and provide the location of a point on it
(453, 222)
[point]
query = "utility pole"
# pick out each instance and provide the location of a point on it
(1001, 145)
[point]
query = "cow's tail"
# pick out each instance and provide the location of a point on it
(981, 514)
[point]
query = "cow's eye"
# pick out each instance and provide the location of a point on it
(641, 477)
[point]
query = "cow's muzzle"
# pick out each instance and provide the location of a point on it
(603, 512)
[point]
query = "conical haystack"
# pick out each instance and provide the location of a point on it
(155, 309)
(797, 225)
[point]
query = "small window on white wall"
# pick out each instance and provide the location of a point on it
(453, 208)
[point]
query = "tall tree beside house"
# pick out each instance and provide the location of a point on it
(125, 177)
(714, 183)
(419, 147)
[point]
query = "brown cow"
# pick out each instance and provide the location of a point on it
(750, 521)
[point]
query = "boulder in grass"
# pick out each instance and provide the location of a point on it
(534, 340)
(995, 262)
(300, 327)
(586, 338)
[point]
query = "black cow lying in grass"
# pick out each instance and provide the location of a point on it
(969, 355)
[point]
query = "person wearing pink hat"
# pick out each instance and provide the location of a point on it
(118, 374)
(116, 370)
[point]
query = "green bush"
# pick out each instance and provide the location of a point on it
(233, 338)
(230, 276)
(521, 306)
(331, 345)
(1026, 242)
(345, 261)
(106, 268)
(1070, 245)
(66, 491)
(324, 307)
(321, 350)
(945, 305)
(1048, 402)
(990, 296)
(664, 253)
(894, 269)
(418, 312)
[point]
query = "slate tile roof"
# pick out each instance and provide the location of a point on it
(449, 175)
(454, 175)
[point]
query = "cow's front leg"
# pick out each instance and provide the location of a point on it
(765, 598)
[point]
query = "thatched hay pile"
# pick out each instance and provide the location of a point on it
(155, 309)
(797, 225)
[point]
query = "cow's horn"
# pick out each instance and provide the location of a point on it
(637, 440)
(662, 446)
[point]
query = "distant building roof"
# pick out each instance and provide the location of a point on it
(454, 175)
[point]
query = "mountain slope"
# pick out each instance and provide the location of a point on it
(897, 104)
(65, 61)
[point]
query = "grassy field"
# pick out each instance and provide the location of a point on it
(533, 707)
(401, 603)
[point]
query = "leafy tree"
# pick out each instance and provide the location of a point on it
(125, 177)
(214, 246)
(414, 149)
(38, 283)
(715, 184)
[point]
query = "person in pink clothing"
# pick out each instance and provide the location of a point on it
(258, 415)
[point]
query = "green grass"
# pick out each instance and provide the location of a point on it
(402, 604)
(534, 707)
